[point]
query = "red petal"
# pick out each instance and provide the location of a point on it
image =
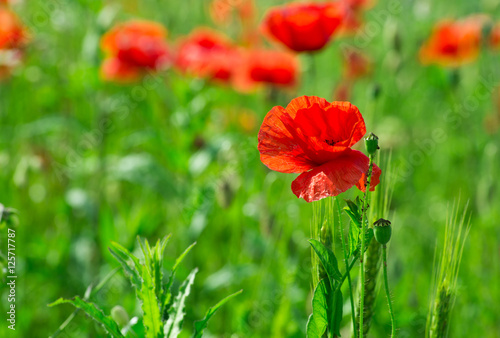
(338, 122)
(376, 172)
(279, 149)
(334, 177)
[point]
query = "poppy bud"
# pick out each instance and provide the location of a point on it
(371, 144)
(119, 315)
(382, 231)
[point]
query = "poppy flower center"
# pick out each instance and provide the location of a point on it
(330, 142)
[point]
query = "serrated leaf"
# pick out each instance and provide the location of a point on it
(178, 261)
(124, 257)
(158, 252)
(94, 312)
(200, 325)
(327, 259)
(150, 308)
(318, 320)
(176, 312)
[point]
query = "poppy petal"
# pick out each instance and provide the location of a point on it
(334, 177)
(279, 149)
(336, 124)
(375, 180)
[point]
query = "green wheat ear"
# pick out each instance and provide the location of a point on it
(446, 272)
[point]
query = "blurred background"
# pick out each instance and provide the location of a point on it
(88, 157)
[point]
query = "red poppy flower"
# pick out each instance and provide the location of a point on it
(139, 44)
(208, 54)
(453, 43)
(12, 33)
(303, 26)
(314, 138)
(267, 67)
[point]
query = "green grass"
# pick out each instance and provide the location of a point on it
(86, 163)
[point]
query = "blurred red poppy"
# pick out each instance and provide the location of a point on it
(360, 4)
(221, 11)
(304, 26)
(113, 69)
(266, 67)
(356, 64)
(495, 37)
(208, 54)
(314, 137)
(134, 47)
(12, 33)
(453, 43)
(342, 92)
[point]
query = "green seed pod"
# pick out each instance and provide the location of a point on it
(382, 231)
(371, 144)
(120, 316)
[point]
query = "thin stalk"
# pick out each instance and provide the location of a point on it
(348, 272)
(387, 293)
(362, 253)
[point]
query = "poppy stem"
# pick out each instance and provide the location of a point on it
(348, 271)
(387, 293)
(362, 253)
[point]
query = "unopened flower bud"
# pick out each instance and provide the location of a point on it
(382, 231)
(119, 315)
(371, 144)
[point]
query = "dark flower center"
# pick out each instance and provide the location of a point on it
(330, 142)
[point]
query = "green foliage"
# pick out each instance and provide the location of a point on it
(94, 312)
(176, 313)
(147, 279)
(200, 325)
(318, 320)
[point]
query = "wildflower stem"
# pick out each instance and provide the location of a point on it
(348, 271)
(387, 293)
(362, 253)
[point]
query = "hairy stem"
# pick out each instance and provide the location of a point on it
(387, 293)
(361, 254)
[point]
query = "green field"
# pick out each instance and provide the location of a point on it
(87, 162)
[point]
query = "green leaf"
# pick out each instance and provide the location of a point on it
(181, 257)
(150, 308)
(123, 256)
(318, 320)
(157, 261)
(353, 238)
(94, 312)
(168, 294)
(176, 313)
(200, 325)
(336, 312)
(328, 260)
(354, 217)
